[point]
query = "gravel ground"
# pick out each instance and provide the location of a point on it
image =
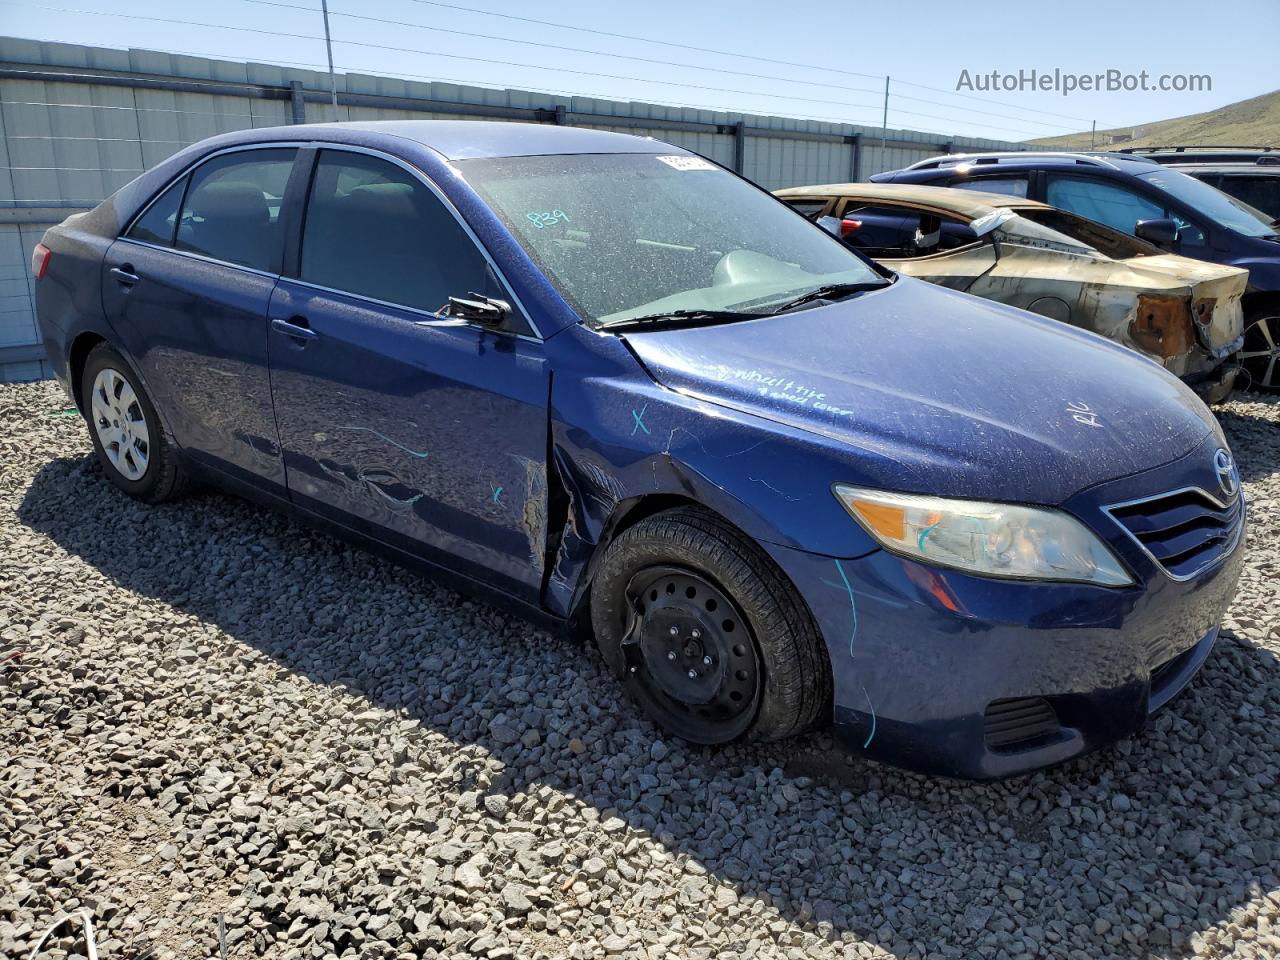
(218, 711)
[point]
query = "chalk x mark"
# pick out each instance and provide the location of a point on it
(639, 419)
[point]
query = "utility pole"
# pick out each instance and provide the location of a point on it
(884, 123)
(1093, 136)
(328, 46)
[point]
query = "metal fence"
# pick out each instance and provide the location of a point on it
(78, 122)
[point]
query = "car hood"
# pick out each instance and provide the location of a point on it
(939, 392)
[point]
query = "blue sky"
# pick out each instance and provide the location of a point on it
(920, 45)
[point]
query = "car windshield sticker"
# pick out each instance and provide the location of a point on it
(547, 218)
(688, 163)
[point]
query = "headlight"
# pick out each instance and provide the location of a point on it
(991, 539)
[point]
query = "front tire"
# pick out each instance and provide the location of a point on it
(707, 633)
(135, 452)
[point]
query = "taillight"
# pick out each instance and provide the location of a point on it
(849, 226)
(40, 258)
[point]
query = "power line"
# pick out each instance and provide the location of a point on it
(968, 96)
(435, 78)
(664, 63)
(533, 66)
(432, 53)
(724, 53)
(601, 53)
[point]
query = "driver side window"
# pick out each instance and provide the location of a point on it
(1104, 202)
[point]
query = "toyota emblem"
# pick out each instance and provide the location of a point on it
(1225, 468)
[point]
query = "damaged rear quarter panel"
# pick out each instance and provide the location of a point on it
(1182, 313)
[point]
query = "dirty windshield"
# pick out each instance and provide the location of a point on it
(635, 235)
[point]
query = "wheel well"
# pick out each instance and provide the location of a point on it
(1261, 301)
(80, 349)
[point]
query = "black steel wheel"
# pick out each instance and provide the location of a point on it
(690, 656)
(707, 633)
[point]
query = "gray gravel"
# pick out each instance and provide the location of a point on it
(217, 711)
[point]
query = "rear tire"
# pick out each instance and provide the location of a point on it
(1260, 355)
(133, 447)
(707, 633)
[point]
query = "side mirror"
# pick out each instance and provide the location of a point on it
(480, 309)
(1162, 232)
(829, 224)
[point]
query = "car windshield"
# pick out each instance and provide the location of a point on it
(1224, 210)
(635, 235)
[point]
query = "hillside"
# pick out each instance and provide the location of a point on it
(1252, 121)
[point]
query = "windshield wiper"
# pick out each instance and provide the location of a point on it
(691, 317)
(832, 291)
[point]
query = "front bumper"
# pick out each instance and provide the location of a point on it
(947, 673)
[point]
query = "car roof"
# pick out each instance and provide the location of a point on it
(971, 204)
(1096, 159)
(1227, 166)
(466, 139)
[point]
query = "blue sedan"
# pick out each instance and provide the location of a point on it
(610, 384)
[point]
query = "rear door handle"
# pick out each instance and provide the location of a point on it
(125, 275)
(294, 327)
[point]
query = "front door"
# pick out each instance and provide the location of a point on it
(187, 291)
(426, 432)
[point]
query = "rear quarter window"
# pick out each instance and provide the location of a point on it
(158, 222)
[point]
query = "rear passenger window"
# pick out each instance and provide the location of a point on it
(232, 209)
(375, 230)
(157, 224)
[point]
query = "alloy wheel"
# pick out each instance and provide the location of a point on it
(690, 655)
(1261, 353)
(120, 424)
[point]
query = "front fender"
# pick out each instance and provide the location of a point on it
(618, 438)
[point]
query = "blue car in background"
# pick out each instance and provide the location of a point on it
(617, 388)
(1149, 200)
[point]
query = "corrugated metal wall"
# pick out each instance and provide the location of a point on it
(65, 145)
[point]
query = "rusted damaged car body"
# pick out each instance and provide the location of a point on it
(1185, 314)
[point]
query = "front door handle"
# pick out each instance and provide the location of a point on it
(124, 275)
(296, 327)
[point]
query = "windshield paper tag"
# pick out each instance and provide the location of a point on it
(688, 163)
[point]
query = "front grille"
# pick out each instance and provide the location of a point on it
(1010, 722)
(1183, 532)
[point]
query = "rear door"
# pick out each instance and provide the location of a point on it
(187, 289)
(426, 432)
